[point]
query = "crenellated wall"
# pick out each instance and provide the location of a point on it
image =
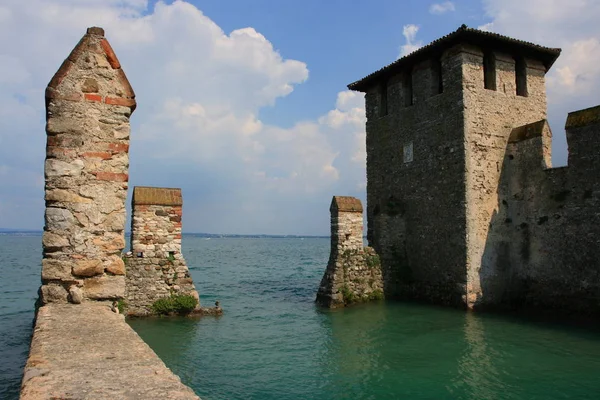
(353, 272)
(156, 267)
(547, 228)
(88, 105)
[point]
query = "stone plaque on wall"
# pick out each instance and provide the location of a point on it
(408, 152)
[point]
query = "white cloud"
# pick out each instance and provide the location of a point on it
(441, 8)
(574, 80)
(197, 124)
(410, 35)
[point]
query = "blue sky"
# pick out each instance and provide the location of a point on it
(243, 104)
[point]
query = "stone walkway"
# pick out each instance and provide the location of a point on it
(86, 351)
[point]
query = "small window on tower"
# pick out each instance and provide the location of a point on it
(489, 70)
(437, 83)
(521, 76)
(383, 100)
(407, 89)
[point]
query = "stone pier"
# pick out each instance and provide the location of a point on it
(353, 272)
(86, 350)
(156, 267)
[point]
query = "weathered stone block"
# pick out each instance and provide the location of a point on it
(61, 168)
(105, 287)
(117, 267)
(53, 293)
(54, 240)
(58, 219)
(75, 294)
(88, 268)
(56, 270)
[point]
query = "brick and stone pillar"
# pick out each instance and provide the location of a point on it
(156, 267)
(353, 272)
(88, 105)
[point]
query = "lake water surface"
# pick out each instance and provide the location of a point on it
(273, 343)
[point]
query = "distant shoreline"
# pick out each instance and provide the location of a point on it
(25, 232)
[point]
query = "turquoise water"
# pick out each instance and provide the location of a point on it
(273, 343)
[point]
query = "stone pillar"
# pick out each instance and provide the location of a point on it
(156, 267)
(353, 272)
(88, 104)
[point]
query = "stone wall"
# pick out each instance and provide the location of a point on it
(490, 116)
(463, 205)
(88, 105)
(548, 221)
(156, 267)
(353, 272)
(415, 174)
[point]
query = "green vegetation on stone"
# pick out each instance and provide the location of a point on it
(376, 295)
(180, 304)
(121, 305)
(347, 294)
(372, 260)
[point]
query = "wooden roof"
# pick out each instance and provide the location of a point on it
(145, 195)
(464, 34)
(346, 204)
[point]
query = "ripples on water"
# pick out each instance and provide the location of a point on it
(272, 343)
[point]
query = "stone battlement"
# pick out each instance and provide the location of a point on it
(463, 207)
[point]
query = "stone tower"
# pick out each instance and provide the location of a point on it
(156, 267)
(88, 105)
(353, 273)
(438, 124)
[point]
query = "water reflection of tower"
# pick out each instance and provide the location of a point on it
(478, 376)
(352, 363)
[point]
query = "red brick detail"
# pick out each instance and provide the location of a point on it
(110, 54)
(178, 236)
(177, 211)
(120, 101)
(97, 154)
(127, 89)
(58, 77)
(177, 224)
(93, 97)
(53, 141)
(118, 147)
(111, 176)
(53, 94)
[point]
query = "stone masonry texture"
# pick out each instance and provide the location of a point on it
(353, 272)
(463, 205)
(156, 267)
(88, 352)
(88, 105)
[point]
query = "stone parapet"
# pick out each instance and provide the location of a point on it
(156, 267)
(353, 272)
(149, 279)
